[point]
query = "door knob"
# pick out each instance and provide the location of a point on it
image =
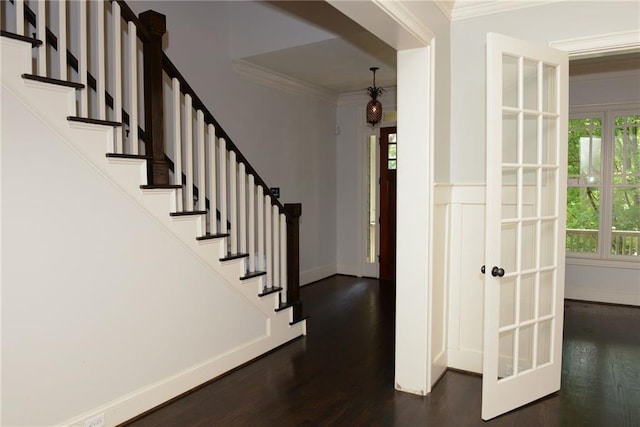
(482, 269)
(497, 271)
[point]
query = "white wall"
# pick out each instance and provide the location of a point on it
(616, 87)
(99, 301)
(289, 139)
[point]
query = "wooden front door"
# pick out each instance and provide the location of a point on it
(388, 166)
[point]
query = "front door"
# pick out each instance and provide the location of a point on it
(388, 166)
(525, 220)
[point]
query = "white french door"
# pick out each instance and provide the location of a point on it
(525, 222)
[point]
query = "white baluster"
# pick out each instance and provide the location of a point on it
(283, 257)
(101, 53)
(252, 223)
(62, 38)
(233, 202)
(19, 4)
(276, 246)
(242, 208)
(83, 60)
(223, 186)
(213, 220)
(41, 30)
(188, 153)
(261, 255)
(117, 73)
(200, 153)
(133, 87)
(267, 239)
(177, 140)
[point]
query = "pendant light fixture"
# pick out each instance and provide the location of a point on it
(374, 107)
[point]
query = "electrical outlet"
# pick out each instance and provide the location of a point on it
(97, 421)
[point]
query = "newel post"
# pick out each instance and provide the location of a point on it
(293, 211)
(158, 169)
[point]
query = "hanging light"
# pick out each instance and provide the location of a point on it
(374, 107)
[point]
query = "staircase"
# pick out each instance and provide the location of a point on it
(159, 146)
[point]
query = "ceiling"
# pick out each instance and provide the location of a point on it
(341, 64)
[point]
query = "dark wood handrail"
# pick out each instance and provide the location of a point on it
(128, 15)
(173, 72)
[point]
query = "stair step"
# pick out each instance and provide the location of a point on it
(49, 80)
(285, 305)
(34, 42)
(299, 320)
(268, 291)
(161, 187)
(253, 274)
(212, 236)
(187, 213)
(93, 121)
(128, 156)
(230, 257)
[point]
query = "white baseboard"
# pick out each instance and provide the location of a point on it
(315, 274)
(349, 270)
(439, 367)
(144, 399)
(465, 360)
(581, 293)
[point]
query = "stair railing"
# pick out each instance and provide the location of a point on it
(118, 57)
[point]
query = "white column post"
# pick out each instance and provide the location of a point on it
(177, 142)
(261, 253)
(276, 245)
(267, 239)
(223, 186)
(62, 38)
(242, 208)
(188, 154)
(200, 158)
(213, 206)
(133, 86)
(283, 257)
(117, 71)
(101, 80)
(19, 4)
(83, 60)
(41, 32)
(233, 201)
(252, 223)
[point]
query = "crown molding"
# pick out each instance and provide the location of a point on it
(590, 46)
(492, 7)
(272, 79)
(404, 17)
(446, 6)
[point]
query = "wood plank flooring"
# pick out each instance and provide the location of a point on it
(341, 374)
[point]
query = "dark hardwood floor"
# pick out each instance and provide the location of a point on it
(342, 373)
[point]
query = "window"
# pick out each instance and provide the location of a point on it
(392, 159)
(603, 194)
(371, 209)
